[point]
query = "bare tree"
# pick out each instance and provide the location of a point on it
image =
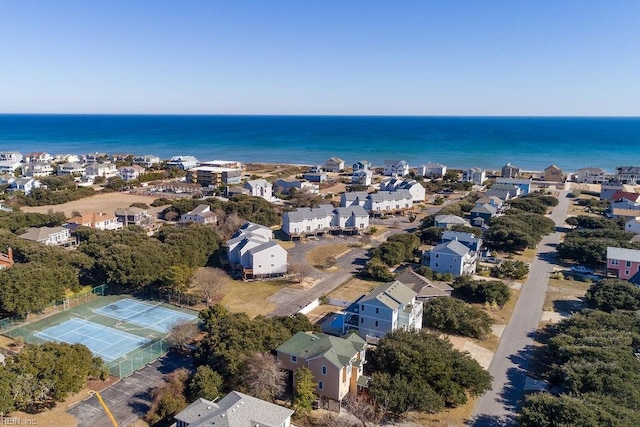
(298, 271)
(209, 282)
(264, 377)
(229, 224)
(334, 420)
(181, 333)
(363, 408)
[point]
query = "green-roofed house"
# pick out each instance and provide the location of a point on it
(336, 364)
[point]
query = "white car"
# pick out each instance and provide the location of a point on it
(581, 269)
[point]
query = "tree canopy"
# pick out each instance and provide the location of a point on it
(613, 294)
(517, 231)
(455, 316)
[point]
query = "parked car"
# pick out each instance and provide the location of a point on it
(581, 269)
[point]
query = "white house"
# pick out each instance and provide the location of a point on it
(37, 169)
(354, 198)
(147, 161)
(384, 202)
(362, 165)
(37, 157)
(591, 176)
(129, 173)
(324, 219)
(252, 252)
(25, 185)
(433, 170)
(260, 188)
(451, 257)
(334, 164)
(98, 221)
(448, 221)
(52, 236)
(362, 177)
(10, 156)
(474, 175)
(285, 187)
(201, 214)
(633, 225)
(387, 308)
(234, 410)
(182, 162)
(106, 170)
(396, 168)
(416, 189)
(10, 161)
(70, 169)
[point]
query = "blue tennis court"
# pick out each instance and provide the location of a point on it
(146, 315)
(108, 343)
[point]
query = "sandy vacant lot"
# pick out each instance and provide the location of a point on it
(107, 202)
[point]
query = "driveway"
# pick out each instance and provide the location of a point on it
(498, 406)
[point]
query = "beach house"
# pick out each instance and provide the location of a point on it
(451, 257)
(35, 169)
(147, 161)
(628, 174)
(252, 253)
(416, 189)
(72, 168)
(52, 236)
(106, 170)
(130, 173)
(26, 185)
(524, 184)
(201, 214)
(325, 219)
(260, 188)
(6, 260)
(182, 162)
(475, 175)
(624, 263)
(362, 177)
(334, 164)
(591, 176)
(424, 288)
(553, 174)
(396, 168)
(433, 170)
(284, 186)
(510, 171)
(448, 221)
(95, 220)
(361, 165)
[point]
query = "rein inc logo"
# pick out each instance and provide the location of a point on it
(17, 421)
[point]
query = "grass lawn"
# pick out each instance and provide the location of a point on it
(502, 315)
(449, 417)
(353, 288)
(562, 302)
(250, 297)
(321, 256)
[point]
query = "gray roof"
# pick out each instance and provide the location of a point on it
(459, 235)
(453, 247)
(338, 351)
(256, 182)
(263, 246)
(390, 195)
(450, 219)
(393, 295)
(200, 209)
(351, 211)
(234, 410)
(486, 208)
(37, 234)
(355, 195)
(301, 214)
(131, 210)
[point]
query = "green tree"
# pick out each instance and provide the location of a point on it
(377, 270)
(454, 316)
(305, 387)
(613, 294)
(205, 383)
(481, 291)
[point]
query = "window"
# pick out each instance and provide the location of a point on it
(272, 255)
(272, 265)
(361, 320)
(320, 385)
(294, 359)
(377, 310)
(324, 370)
(437, 255)
(627, 272)
(259, 265)
(614, 262)
(436, 265)
(376, 323)
(362, 308)
(627, 264)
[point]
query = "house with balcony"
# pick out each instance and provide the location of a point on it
(201, 214)
(489, 200)
(26, 185)
(504, 192)
(553, 174)
(591, 176)
(416, 189)
(10, 161)
(325, 219)
(361, 165)
(147, 161)
(73, 168)
(524, 184)
(96, 157)
(214, 176)
(252, 253)
(95, 220)
(35, 169)
(334, 164)
(37, 157)
(624, 263)
(387, 308)
(130, 173)
(182, 162)
(260, 188)
(475, 175)
(284, 186)
(628, 174)
(336, 364)
(362, 177)
(510, 171)
(389, 202)
(424, 288)
(396, 168)
(481, 215)
(134, 216)
(52, 236)
(234, 410)
(433, 170)
(106, 170)
(451, 257)
(468, 239)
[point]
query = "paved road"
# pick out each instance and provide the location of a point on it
(498, 406)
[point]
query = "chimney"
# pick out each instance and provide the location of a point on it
(10, 254)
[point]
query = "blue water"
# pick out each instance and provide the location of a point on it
(487, 142)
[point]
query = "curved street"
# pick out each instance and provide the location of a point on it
(498, 406)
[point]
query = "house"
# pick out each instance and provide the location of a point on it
(130, 173)
(234, 410)
(524, 184)
(324, 219)
(424, 288)
(481, 215)
(98, 221)
(7, 178)
(214, 176)
(201, 214)
(474, 175)
(504, 192)
(25, 185)
(396, 168)
(362, 165)
(147, 161)
(625, 200)
(468, 239)
(334, 164)
(106, 170)
(448, 221)
(591, 176)
(73, 168)
(6, 261)
(626, 214)
(489, 200)
(94, 158)
(354, 198)
(510, 171)
(228, 164)
(416, 189)
(37, 169)
(433, 170)
(387, 308)
(362, 177)
(283, 186)
(10, 161)
(260, 188)
(628, 174)
(633, 225)
(553, 174)
(389, 202)
(625, 263)
(182, 162)
(52, 236)
(66, 158)
(608, 191)
(315, 175)
(236, 190)
(37, 157)
(336, 364)
(252, 253)
(451, 257)
(10, 156)
(134, 216)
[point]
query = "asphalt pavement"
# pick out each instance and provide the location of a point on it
(499, 406)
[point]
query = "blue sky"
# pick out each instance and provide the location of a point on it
(393, 57)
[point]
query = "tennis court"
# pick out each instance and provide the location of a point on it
(108, 343)
(146, 315)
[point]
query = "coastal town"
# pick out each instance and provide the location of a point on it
(344, 293)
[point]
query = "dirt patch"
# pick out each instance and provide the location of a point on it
(250, 297)
(448, 417)
(353, 288)
(107, 202)
(324, 257)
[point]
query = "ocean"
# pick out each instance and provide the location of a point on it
(531, 143)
